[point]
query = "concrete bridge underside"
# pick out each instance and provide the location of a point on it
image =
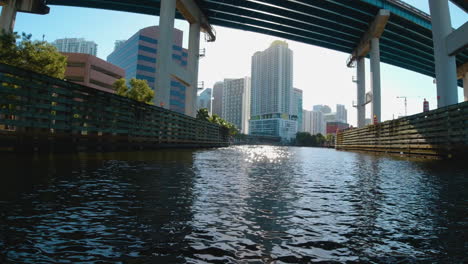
(406, 39)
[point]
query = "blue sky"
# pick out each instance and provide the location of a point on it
(320, 73)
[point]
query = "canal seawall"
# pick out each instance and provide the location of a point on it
(40, 113)
(440, 133)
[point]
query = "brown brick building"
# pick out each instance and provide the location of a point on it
(91, 71)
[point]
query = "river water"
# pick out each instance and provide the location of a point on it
(242, 204)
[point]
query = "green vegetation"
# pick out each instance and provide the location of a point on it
(307, 140)
(37, 56)
(139, 90)
(330, 140)
(203, 114)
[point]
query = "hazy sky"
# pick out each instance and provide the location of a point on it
(321, 73)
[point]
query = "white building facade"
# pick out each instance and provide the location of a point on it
(341, 113)
(272, 92)
(76, 45)
(297, 107)
(313, 122)
(236, 103)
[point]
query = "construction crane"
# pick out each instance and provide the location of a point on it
(406, 102)
(406, 105)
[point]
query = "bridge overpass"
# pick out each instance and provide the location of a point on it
(389, 31)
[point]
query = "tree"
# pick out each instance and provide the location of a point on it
(37, 56)
(330, 139)
(203, 114)
(320, 139)
(120, 87)
(139, 90)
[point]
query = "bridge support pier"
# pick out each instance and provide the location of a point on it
(193, 58)
(164, 55)
(361, 91)
(8, 16)
(166, 67)
(445, 66)
(375, 79)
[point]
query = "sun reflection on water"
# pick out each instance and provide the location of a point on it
(265, 154)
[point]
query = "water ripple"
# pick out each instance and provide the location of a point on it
(244, 204)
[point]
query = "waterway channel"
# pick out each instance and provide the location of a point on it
(241, 204)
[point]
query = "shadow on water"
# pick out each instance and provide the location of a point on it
(96, 207)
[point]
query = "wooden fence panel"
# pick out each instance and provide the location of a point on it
(37, 106)
(441, 132)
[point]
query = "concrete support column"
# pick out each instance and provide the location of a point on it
(465, 86)
(8, 16)
(375, 79)
(164, 55)
(361, 91)
(445, 65)
(193, 58)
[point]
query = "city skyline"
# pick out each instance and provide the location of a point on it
(323, 87)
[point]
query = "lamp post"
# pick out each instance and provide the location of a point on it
(211, 104)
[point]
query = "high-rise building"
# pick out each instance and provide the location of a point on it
(138, 57)
(333, 127)
(204, 99)
(313, 122)
(322, 108)
(318, 123)
(91, 71)
(76, 45)
(329, 117)
(118, 43)
(218, 98)
(341, 113)
(297, 107)
(272, 91)
(236, 103)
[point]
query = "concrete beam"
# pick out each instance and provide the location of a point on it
(445, 65)
(376, 29)
(192, 63)
(194, 15)
(164, 55)
(8, 15)
(457, 41)
(11, 7)
(375, 80)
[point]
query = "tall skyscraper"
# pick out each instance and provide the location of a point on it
(204, 99)
(76, 45)
(218, 98)
(297, 107)
(341, 113)
(313, 122)
(322, 108)
(272, 91)
(138, 57)
(318, 123)
(236, 103)
(118, 43)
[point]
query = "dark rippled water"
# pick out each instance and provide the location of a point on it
(243, 204)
